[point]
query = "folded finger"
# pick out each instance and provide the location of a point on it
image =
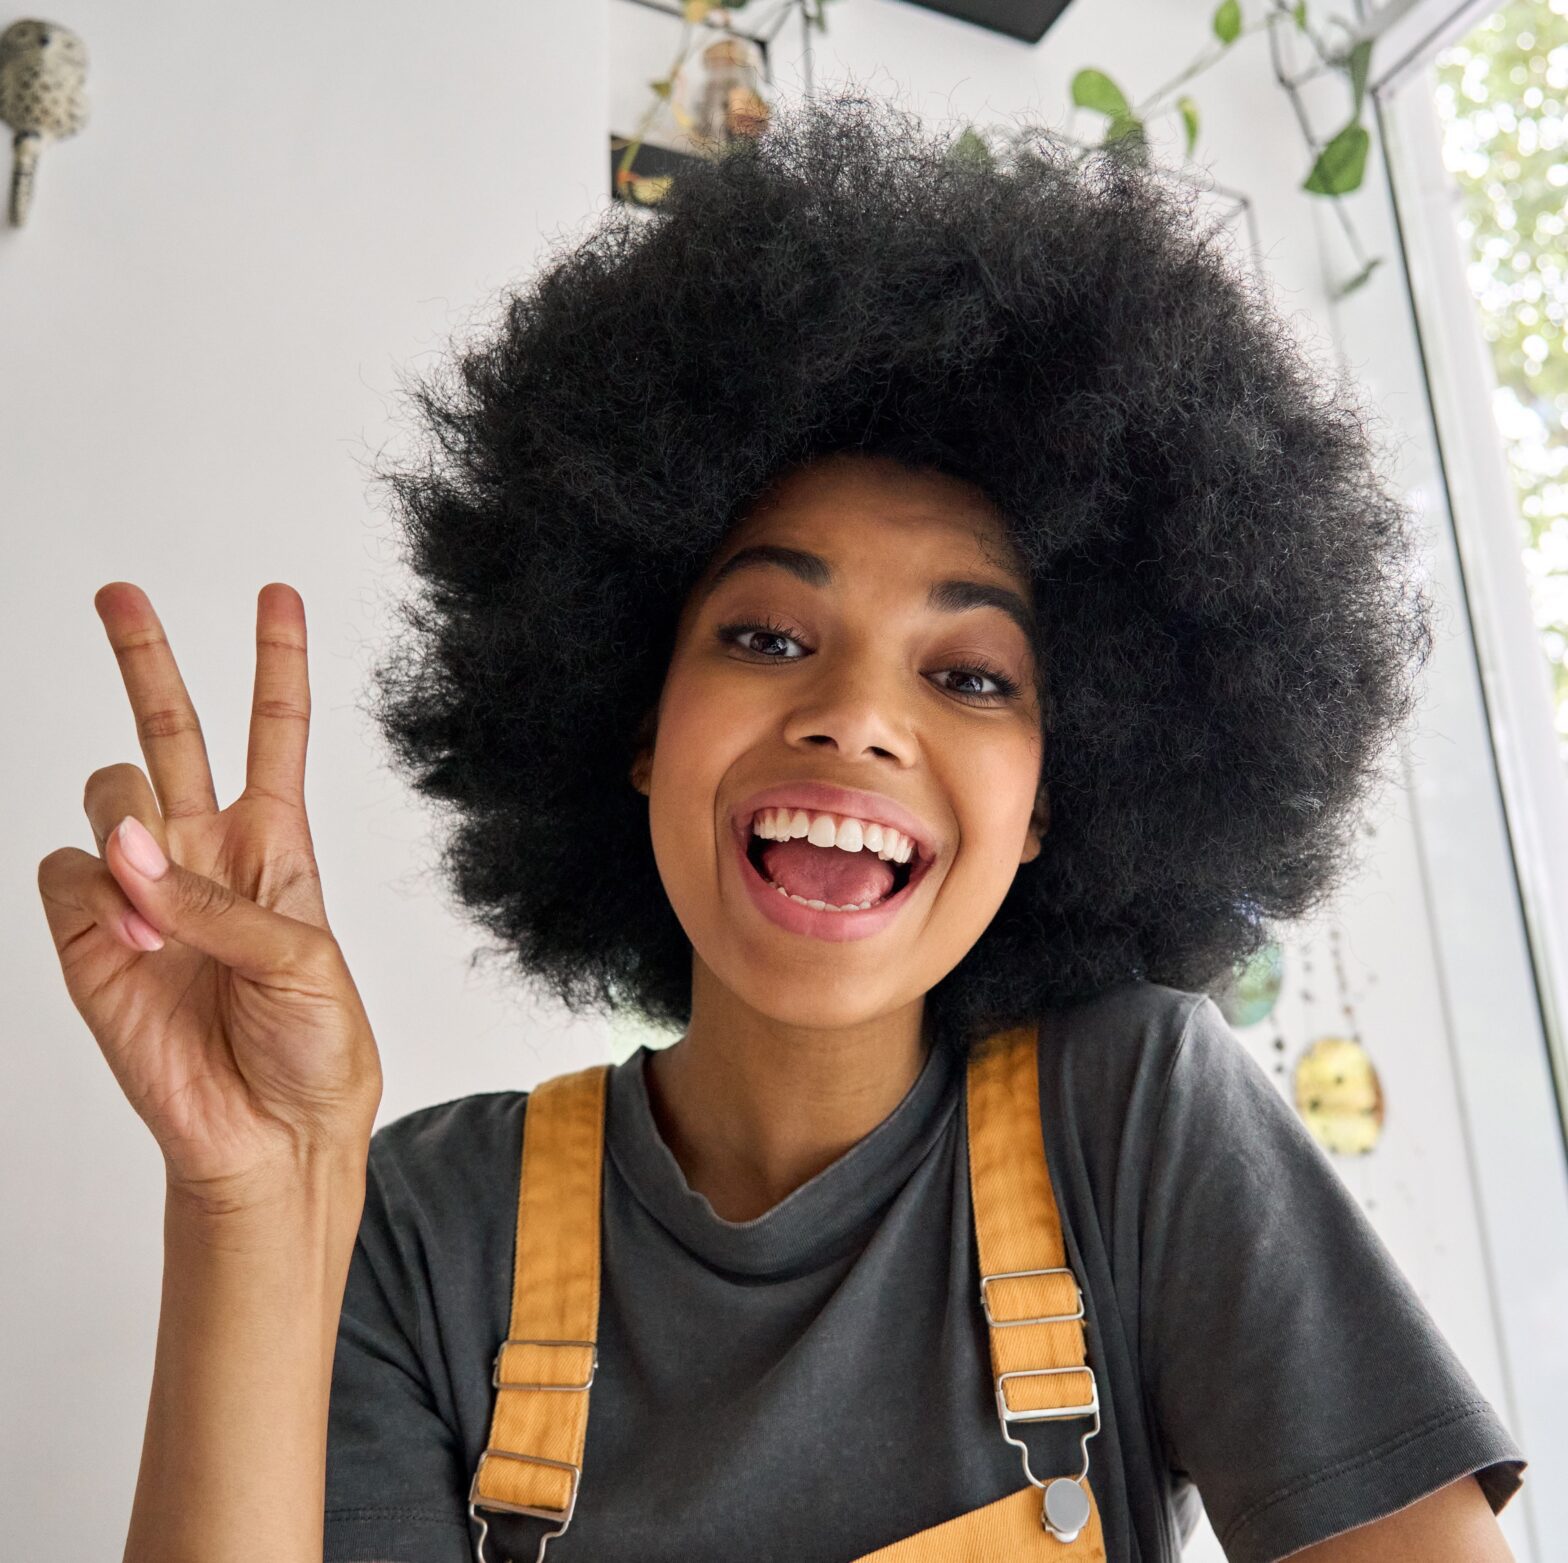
(78, 892)
(112, 792)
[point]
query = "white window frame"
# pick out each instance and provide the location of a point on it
(1487, 788)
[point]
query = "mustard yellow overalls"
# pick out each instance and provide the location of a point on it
(1030, 1298)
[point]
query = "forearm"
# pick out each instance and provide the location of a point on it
(234, 1456)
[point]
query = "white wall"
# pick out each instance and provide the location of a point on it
(203, 321)
(271, 209)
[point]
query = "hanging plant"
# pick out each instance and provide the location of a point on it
(1338, 164)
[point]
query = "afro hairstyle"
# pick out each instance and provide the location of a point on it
(1231, 620)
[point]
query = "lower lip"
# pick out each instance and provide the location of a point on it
(833, 926)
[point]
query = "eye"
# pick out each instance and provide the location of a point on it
(1006, 687)
(732, 633)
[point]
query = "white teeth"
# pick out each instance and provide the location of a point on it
(826, 906)
(831, 830)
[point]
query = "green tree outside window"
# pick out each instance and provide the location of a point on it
(1502, 98)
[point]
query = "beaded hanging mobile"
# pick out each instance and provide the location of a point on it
(1335, 1086)
(1338, 1092)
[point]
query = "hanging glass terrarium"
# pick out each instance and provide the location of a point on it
(718, 95)
(688, 79)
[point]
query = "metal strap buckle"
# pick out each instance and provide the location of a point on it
(1090, 1407)
(1043, 1318)
(1064, 1512)
(499, 1383)
(1052, 1413)
(564, 1516)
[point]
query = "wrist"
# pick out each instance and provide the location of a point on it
(316, 1186)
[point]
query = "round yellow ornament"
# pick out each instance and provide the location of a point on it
(1339, 1096)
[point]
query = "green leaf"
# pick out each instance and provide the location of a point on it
(1360, 63)
(1360, 277)
(1125, 133)
(1093, 89)
(1227, 21)
(970, 147)
(662, 88)
(1340, 164)
(1189, 117)
(1299, 11)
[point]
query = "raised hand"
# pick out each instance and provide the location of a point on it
(216, 990)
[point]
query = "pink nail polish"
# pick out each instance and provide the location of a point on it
(141, 850)
(141, 932)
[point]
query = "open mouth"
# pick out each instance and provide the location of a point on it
(904, 874)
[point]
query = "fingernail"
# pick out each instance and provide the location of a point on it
(140, 849)
(142, 932)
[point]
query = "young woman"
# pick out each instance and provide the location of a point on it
(908, 622)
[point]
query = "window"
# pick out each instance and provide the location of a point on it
(1464, 351)
(1501, 94)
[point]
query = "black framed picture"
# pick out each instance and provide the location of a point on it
(1025, 19)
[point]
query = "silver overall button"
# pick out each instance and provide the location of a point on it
(1066, 1508)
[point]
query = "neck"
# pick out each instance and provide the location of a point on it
(751, 1109)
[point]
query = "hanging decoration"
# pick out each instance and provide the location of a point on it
(714, 83)
(1252, 995)
(1337, 1089)
(1335, 1085)
(43, 97)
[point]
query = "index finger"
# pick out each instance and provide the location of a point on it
(167, 727)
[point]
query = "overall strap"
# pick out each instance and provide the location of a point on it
(1030, 1297)
(1034, 1310)
(542, 1373)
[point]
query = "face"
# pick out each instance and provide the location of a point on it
(852, 677)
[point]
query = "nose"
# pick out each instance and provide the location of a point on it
(826, 740)
(854, 719)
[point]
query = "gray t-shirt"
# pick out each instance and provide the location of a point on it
(815, 1383)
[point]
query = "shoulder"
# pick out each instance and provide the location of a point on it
(446, 1153)
(1125, 1042)
(442, 1127)
(438, 1122)
(1129, 1013)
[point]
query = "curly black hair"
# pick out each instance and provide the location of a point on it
(1231, 616)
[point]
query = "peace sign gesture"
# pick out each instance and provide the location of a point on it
(213, 985)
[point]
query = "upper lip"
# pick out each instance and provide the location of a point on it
(824, 798)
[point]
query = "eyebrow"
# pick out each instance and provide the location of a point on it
(953, 596)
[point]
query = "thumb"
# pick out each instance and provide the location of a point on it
(205, 914)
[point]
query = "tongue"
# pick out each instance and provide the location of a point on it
(826, 873)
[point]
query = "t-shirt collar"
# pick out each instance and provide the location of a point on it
(816, 1221)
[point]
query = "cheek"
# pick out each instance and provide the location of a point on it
(995, 794)
(700, 720)
(705, 727)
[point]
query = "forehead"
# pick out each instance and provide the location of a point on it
(872, 518)
(846, 501)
